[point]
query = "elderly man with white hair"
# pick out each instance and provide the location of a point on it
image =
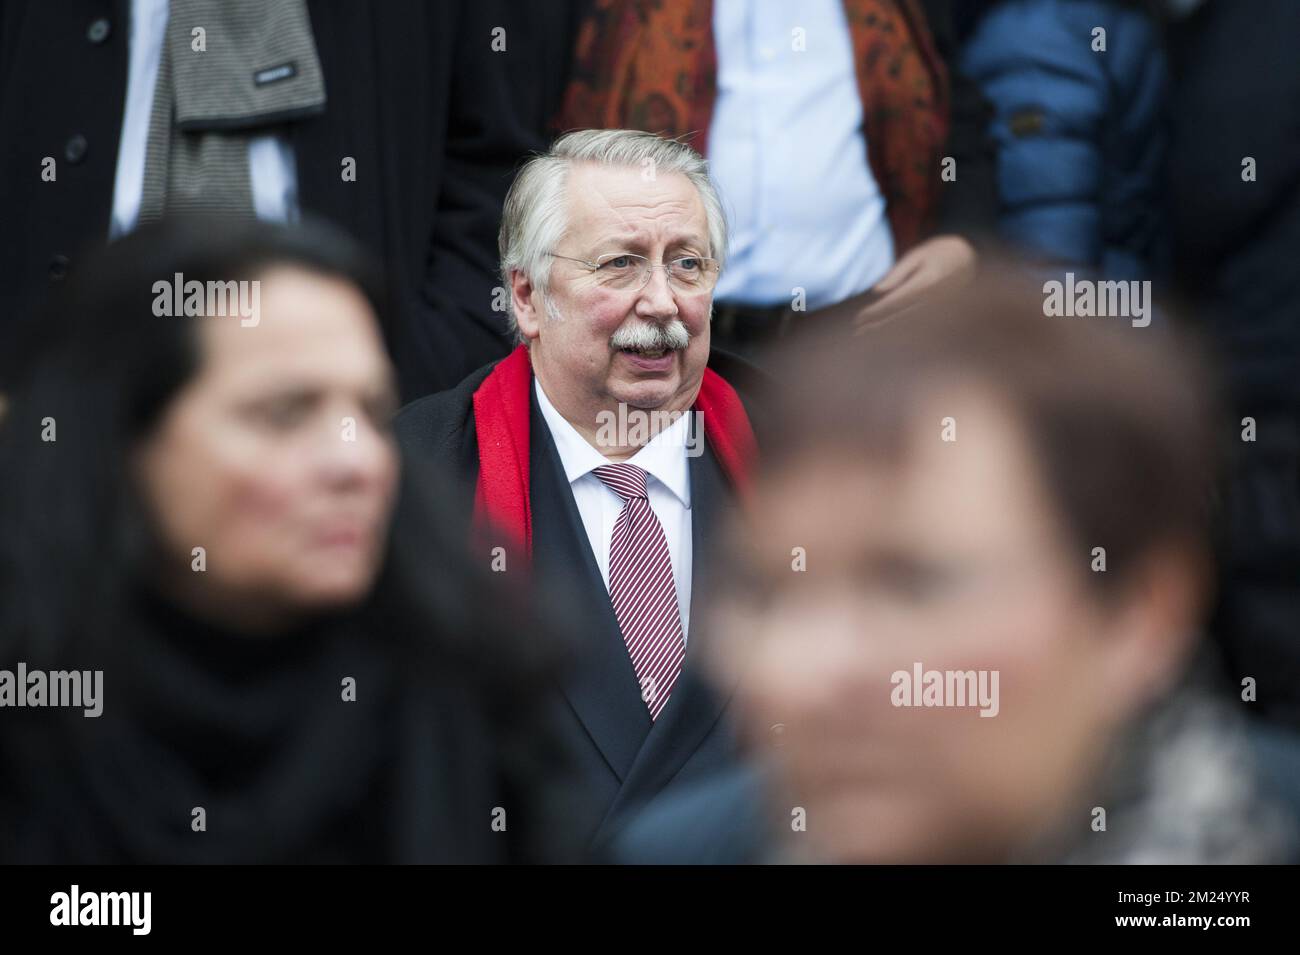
(604, 453)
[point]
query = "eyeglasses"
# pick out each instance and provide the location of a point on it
(624, 271)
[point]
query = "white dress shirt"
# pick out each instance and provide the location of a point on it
(668, 488)
(788, 152)
(272, 173)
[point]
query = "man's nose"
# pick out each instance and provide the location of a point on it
(656, 300)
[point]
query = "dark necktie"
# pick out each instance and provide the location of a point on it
(642, 589)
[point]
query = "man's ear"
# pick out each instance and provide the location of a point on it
(527, 304)
(1155, 630)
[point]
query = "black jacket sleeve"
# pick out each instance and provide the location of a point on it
(512, 63)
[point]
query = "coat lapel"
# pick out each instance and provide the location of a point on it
(602, 688)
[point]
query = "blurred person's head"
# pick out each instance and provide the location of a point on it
(1011, 504)
(228, 383)
(275, 456)
(611, 244)
(254, 428)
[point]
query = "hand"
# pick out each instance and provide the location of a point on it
(937, 263)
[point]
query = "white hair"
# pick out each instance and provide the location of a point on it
(535, 218)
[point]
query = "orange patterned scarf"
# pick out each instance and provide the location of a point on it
(651, 64)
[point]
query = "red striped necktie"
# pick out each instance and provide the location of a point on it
(642, 589)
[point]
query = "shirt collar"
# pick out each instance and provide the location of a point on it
(663, 458)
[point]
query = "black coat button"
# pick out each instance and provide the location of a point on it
(99, 30)
(75, 150)
(58, 266)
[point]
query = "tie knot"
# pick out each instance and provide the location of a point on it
(625, 480)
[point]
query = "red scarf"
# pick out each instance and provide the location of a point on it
(653, 66)
(501, 416)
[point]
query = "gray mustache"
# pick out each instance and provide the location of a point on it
(645, 336)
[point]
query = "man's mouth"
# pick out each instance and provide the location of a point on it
(651, 353)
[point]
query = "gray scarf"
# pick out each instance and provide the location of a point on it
(230, 70)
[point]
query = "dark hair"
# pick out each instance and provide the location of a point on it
(103, 367)
(1120, 420)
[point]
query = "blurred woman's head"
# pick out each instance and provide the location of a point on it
(979, 552)
(207, 407)
(276, 457)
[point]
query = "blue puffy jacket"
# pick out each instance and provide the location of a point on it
(1079, 133)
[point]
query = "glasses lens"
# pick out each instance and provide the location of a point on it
(622, 271)
(693, 273)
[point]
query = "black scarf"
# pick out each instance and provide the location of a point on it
(255, 731)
